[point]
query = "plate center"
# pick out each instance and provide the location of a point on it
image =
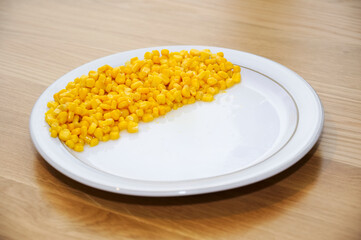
(242, 127)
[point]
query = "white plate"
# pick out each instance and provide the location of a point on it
(255, 130)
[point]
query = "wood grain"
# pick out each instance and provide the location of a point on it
(318, 198)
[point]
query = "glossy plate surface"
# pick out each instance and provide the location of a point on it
(251, 131)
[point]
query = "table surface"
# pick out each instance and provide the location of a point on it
(318, 198)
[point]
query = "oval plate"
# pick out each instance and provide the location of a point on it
(251, 131)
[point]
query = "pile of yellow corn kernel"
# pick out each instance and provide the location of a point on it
(97, 106)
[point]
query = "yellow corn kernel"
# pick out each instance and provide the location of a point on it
(115, 114)
(156, 59)
(207, 97)
(115, 72)
(87, 139)
(222, 85)
(236, 78)
(70, 143)
(106, 138)
(144, 105)
(98, 115)
(228, 66)
(90, 82)
(177, 57)
(194, 52)
(114, 135)
(212, 90)
(124, 112)
(52, 104)
(54, 133)
(132, 109)
(210, 62)
(148, 55)
(120, 78)
(132, 127)
(160, 98)
(162, 110)
(229, 82)
(75, 131)
(186, 91)
(94, 104)
(155, 53)
(212, 81)
(98, 133)
(49, 118)
(203, 75)
(191, 100)
(147, 117)
(54, 124)
(93, 74)
(83, 92)
(136, 85)
(106, 129)
(236, 68)
(83, 131)
(142, 90)
(136, 66)
(64, 135)
(105, 106)
(104, 68)
(84, 123)
(70, 116)
(115, 129)
(108, 87)
(71, 126)
(165, 52)
(230, 73)
(62, 117)
(169, 96)
(134, 60)
(132, 118)
(223, 74)
(94, 142)
(106, 115)
(123, 125)
(56, 111)
(123, 104)
(92, 128)
(79, 147)
(195, 83)
(107, 122)
(74, 138)
(155, 112)
(177, 86)
(178, 96)
(193, 91)
(167, 109)
(139, 112)
(221, 61)
(199, 95)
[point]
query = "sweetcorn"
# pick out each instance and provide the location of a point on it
(97, 106)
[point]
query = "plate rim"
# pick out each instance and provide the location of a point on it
(229, 184)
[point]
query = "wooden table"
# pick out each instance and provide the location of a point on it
(318, 198)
